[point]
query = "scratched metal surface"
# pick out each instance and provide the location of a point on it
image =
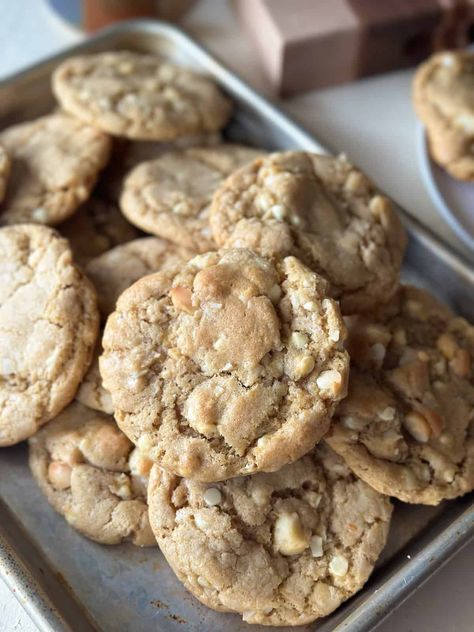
(69, 583)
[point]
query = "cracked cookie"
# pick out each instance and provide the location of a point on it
(55, 163)
(280, 549)
(93, 476)
(5, 168)
(407, 425)
(226, 366)
(322, 210)
(139, 96)
(115, 270)
(443, 95)
(48, 322)
(96, 227)
(171, 196)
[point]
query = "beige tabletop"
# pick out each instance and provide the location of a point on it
(373, 123)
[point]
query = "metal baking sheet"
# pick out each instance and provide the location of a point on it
(66, 582)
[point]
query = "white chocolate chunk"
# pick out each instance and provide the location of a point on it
(316, 546)
(339, 566)
(212, 496)
(289, 535)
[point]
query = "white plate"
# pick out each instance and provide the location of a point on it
(453, 199)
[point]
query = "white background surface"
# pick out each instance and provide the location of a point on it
(373, 122)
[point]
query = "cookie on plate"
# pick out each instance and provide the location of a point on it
(93, 476)
(49, 322)
(91, 391)
(139, 96)
(280, 549)
(96, 227)
(5, 168)
(171, 195)
(407, 426)
(322, 210)
(115, 270)
(226, 366)
(443, 94)
(55, 163)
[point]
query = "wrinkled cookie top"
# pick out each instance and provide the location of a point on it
(324, 211)
(115, 270)
(407, 425)
(92, 475)
(281, 549)
(55, 163)
(91, 391)
(48, 327)
(139, 96)
(171, 195)
(443, 93)
(230, 365)
(96, 227)
(5, 167)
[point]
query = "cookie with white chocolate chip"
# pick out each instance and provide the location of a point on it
(443, 95)
(407, 424)
(56, 160)
(282, 548)
(93, 476)
(139, 96)
(171, 195)
(322, 210)
(229, 365)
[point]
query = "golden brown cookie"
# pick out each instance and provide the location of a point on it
(139, 96)
(55, 163)
(228, 365)
(48, 327)
(96, 227)
(93, 476)
(171, 195)
(5, 168)
(322, 210)
(443, 94)
(407, 425)
(115, 270)
(280, 549)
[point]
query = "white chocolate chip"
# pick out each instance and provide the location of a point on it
(417, 426)
(278, 211)
(227, 367)
(289, 535)
(353, 423)
(220, 342)
(304, 367)
(39, 214)
(387, 414)
(310, 306)
(139, 464)
(334, 335)
(275, 293)
(299, 340)
(316, 546)
(339, 566)
(377, 352)
(330, 380)
(448, 474)
(212, 496)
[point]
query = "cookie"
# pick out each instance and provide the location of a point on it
(443, 95)
(5, 168)
(55, 163)
(170, 196)
(96, 227)
(322, 210)
(115, 270)
(127, 154)
(91, 392)
(280, 549)
(228, 365)
(49, 322)
(93, 476)
(407, 425)
(139, 96)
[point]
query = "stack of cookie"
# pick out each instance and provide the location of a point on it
(254, 370)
